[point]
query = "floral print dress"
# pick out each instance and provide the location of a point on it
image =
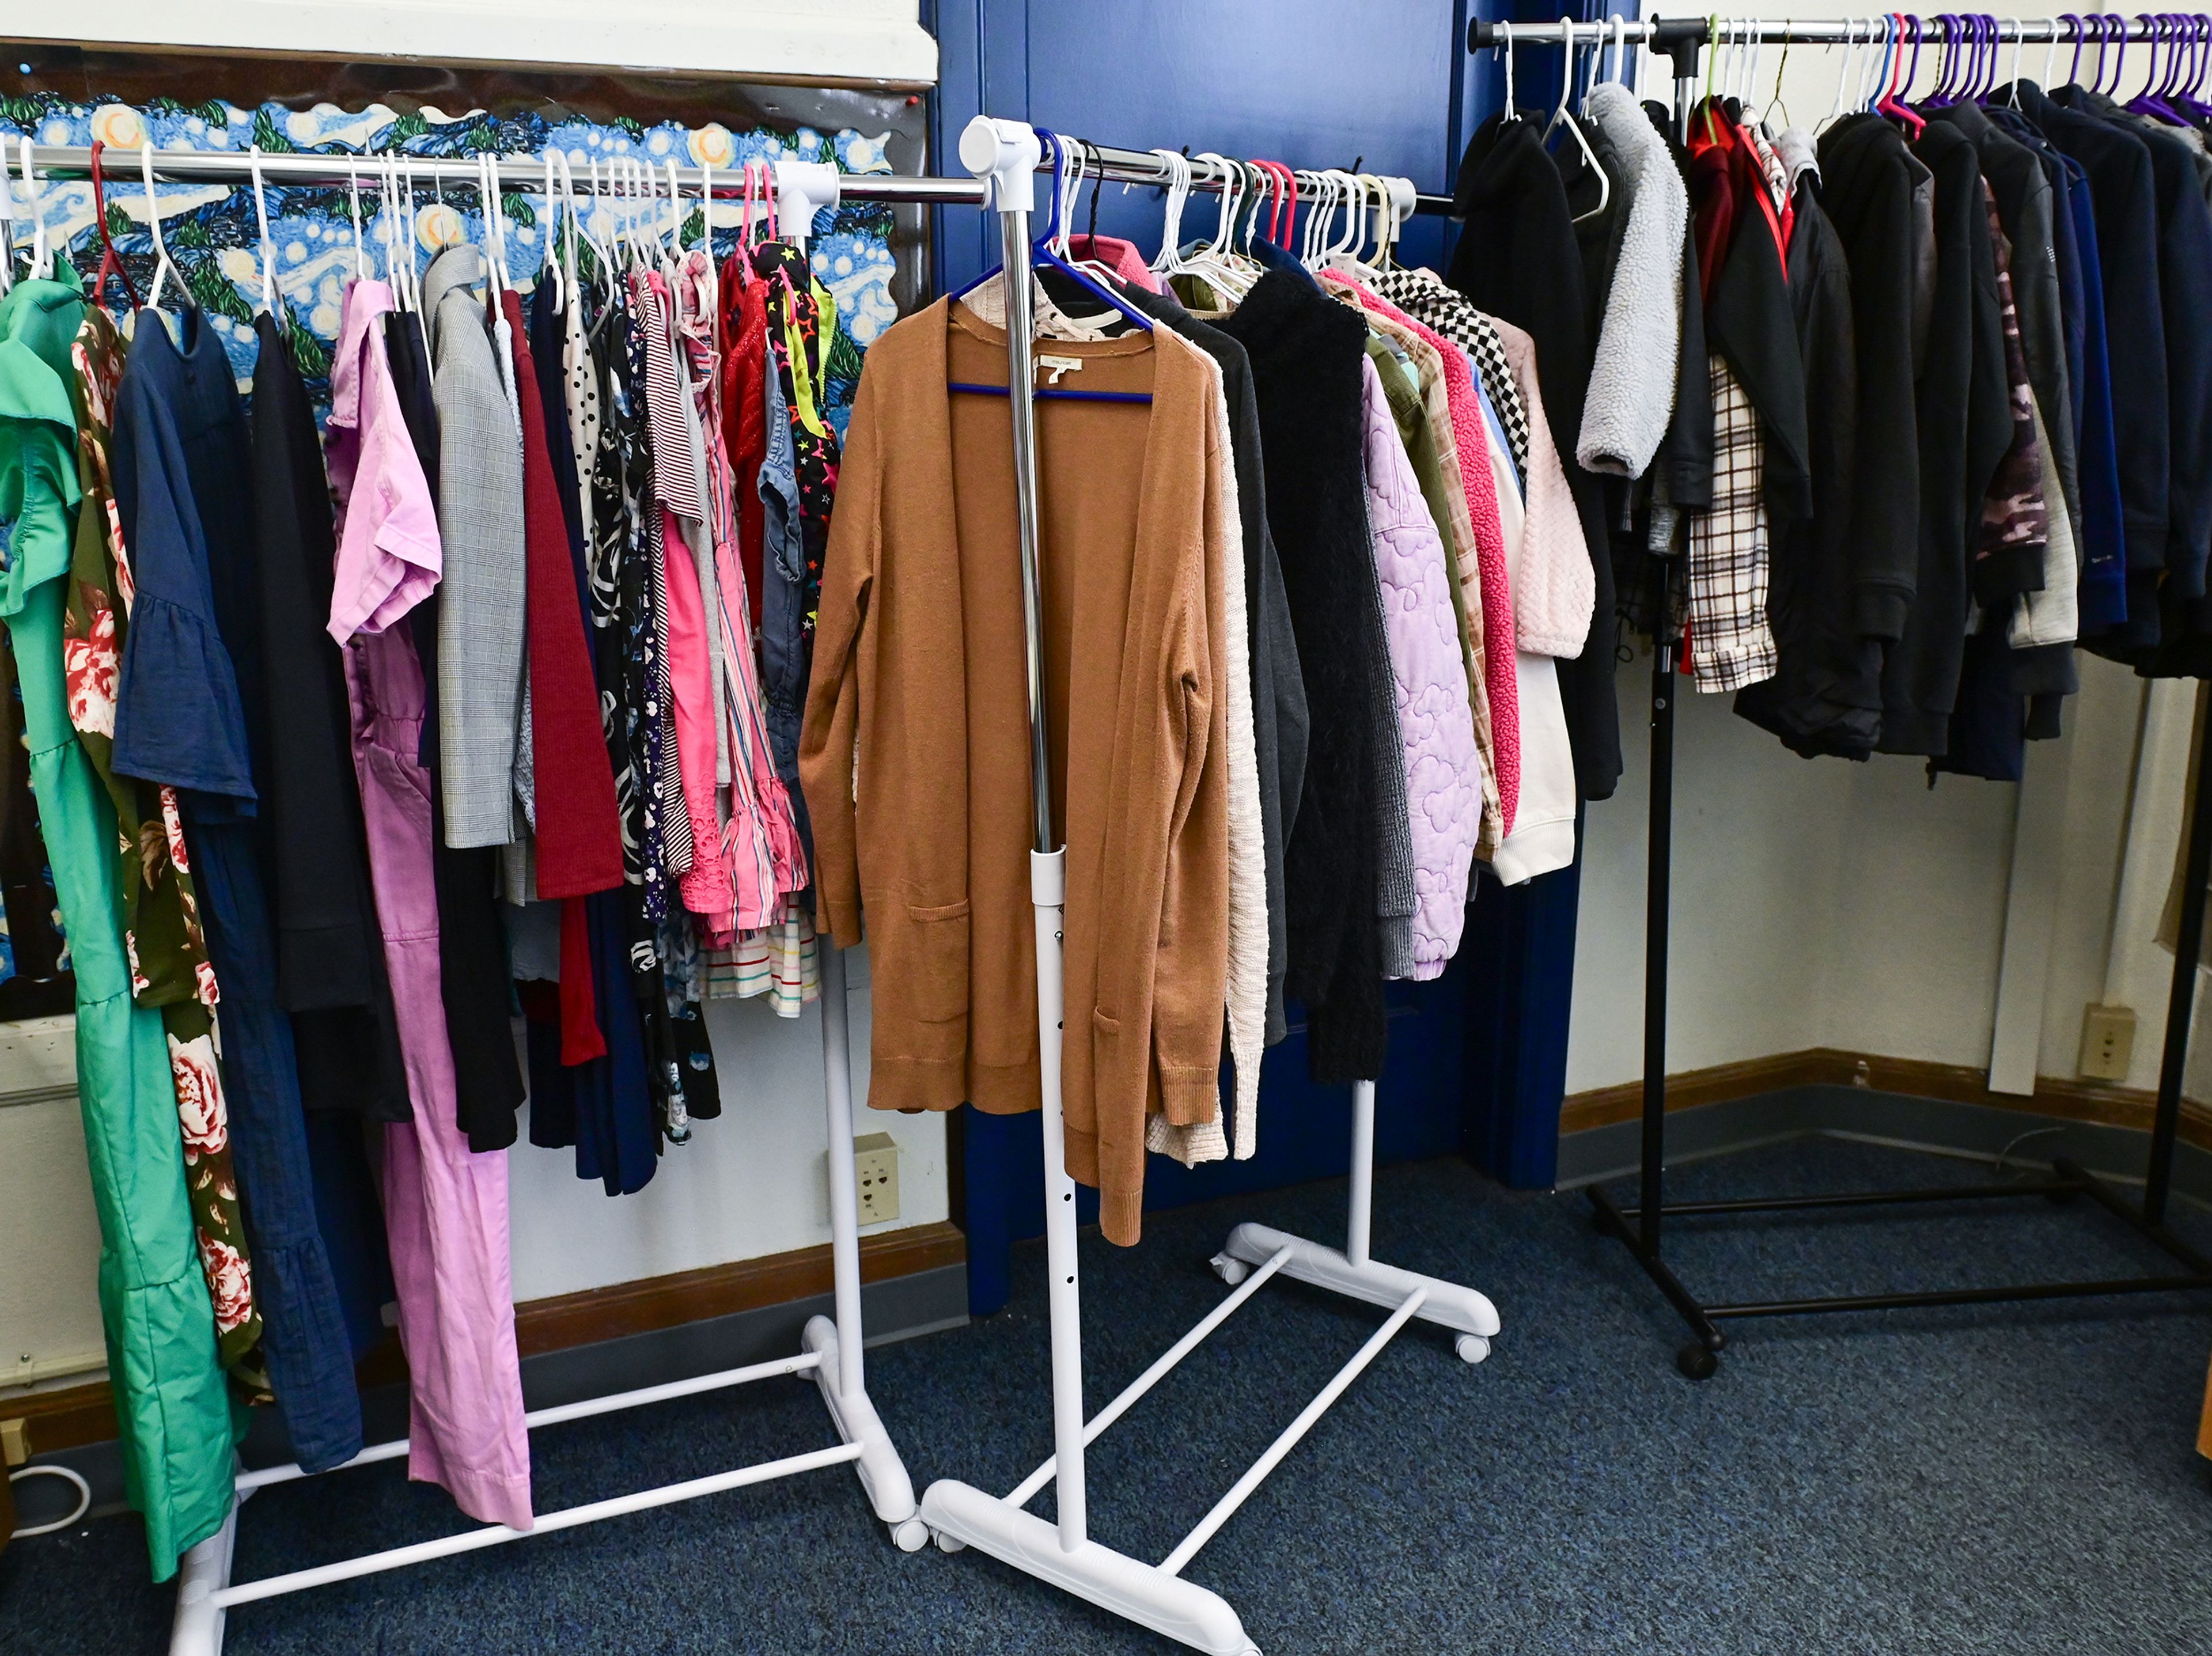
(163, 939)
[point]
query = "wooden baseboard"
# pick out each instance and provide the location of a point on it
(2059, 1097)
(68, 1417)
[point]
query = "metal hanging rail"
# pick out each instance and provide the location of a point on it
(1640, 1228)
(527, 172)
(1154, 1595)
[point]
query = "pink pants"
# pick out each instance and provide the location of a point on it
(445, 1207)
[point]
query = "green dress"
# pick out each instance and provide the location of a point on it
(170, 1402)
(161, 937)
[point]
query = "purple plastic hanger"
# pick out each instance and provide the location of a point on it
(2111, 29)
(2197, 35)
(1947, 25)
(2151, 100)
(2080, 31)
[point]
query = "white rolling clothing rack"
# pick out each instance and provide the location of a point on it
(1008, 152)
(830, 1347)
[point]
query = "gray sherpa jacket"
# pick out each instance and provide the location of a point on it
(1631, 385)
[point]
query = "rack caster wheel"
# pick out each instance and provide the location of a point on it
(1231, 1270)
(1695, 1362)
(949, 1543)
(911, 1536)
(1471, 1348)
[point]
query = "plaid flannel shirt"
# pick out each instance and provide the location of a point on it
(1731, 644)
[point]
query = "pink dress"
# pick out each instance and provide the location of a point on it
(445, 1207)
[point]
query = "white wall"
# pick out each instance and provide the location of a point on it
(1815, 903)
(750, 1183)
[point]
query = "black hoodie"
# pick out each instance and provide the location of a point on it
(1518, 259)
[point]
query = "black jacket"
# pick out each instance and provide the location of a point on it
(1308, 353)
(2126, 196)
(1748, 324)
(1517, 258)
(330, 945)
(1826, 693)
(1965, 428)
(2185, 289)
(1867, 181)
(1278, 694)
(2026, 208)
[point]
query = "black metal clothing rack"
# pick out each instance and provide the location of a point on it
(1641, 1228)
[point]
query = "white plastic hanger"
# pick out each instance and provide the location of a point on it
(495, 242)
(1561, 117)
(162, 267)
(268, 248)
(555, 220)
(353, 206)
(1169, 259)
(42, 258)
(1228, 273)
(1512, 111)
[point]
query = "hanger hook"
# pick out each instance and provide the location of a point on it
(261, 218)
(41, 253)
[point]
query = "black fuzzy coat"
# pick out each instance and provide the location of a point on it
(1307, 352)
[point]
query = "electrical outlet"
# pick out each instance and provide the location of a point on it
(2108, 1042)
(15, 1442)
(875, 1169)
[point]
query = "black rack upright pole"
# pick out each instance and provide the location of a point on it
(1658, 871)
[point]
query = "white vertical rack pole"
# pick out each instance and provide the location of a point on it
(1154, 1595)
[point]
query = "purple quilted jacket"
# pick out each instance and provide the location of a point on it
(1443, 769)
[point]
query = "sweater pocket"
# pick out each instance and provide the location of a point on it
(920, 983)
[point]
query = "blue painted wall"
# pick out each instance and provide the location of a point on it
(1478, 1058)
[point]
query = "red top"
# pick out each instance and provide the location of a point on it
(578, 840)
(745, 411)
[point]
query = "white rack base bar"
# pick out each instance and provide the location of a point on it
(1152, 1595)
(830, 1353)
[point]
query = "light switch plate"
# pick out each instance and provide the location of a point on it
(875, 1171)
(2108, 1042)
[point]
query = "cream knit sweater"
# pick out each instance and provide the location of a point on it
(1248, 868)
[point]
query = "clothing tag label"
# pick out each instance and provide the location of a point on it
(1056, 366)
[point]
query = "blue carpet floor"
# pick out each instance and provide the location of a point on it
(2015, 1479)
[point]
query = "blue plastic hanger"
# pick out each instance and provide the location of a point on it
(1045, 255)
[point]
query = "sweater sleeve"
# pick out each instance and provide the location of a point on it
(1247, 932)
(828, 745)
(1553, 591)
(1198, 888)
